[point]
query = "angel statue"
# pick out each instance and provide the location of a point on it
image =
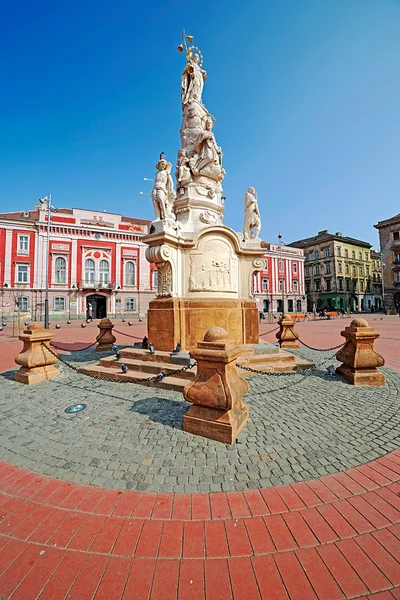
(163, 193)
(192, 82)
(252, 221)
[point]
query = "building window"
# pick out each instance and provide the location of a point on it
(295, 268)
(361, 270)
(290, 305)
(22, 302)
(89, 271)
(326, 252)
(307, 257)
(266, 266)
(347, 269)
(397, 257)
(281, 266)
(23, 244)
(348, 285)
(362, 285)
(317, 270)
(307, 271)
(346, 254)
(354, 270)
(327, 267)
(317, 285)
(281, 285)
(104, 272)
(308, 287)
(396, 235)
(339, 267)
(60, 270)
(316, 255)
(340, 284)
(130, 273)
(296, 286)
(397, 276)
(130, 304)
(353, 254)
(339, 251)
(265, 284)
(22, 273)
(328, 285)
(366, 256)
(59, 303)
(360, 255)
(154, 278)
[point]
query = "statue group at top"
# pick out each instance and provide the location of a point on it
(199, 171)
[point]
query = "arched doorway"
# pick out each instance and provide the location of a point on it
(96, 306)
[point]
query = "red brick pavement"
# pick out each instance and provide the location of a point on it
(334, 538)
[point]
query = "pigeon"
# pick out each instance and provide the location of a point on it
(117, 354)
(152, 349)
(145, 342)
(161, 375)
(124, 368)
(177, 349)
(331, 370)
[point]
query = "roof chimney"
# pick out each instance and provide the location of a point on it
(322, 232)
(339, 234)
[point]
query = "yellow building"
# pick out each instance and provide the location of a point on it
(338, 272)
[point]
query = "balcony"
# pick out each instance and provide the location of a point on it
(96, 285)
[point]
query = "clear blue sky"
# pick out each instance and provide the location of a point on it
(306, 95)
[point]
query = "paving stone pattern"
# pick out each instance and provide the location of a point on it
(130, 437)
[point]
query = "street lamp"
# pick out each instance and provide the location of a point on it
(383, 287)
(282, 280)
(46, 201)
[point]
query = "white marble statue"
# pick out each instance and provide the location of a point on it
(163, 193)
(192, 82)
(183, 174)
(252, 220)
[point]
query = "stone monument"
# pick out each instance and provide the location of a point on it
(205, 269)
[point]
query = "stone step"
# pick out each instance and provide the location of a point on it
(275, 367)
(176, 384)
(146, 366)
(283, 357)
(159, 356)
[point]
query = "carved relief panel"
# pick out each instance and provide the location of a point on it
(213, 267)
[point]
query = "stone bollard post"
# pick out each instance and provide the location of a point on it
(105, 339)
(360, 361)
(216, 393)
(36, 360)
(286, 335)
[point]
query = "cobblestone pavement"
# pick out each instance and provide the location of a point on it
(301, 427)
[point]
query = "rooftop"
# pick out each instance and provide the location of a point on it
(325, 236)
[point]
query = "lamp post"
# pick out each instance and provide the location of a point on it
(46, 201)
(282, 280)
(383, 288)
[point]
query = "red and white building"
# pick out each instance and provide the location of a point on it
(281, 281)
(95, 259)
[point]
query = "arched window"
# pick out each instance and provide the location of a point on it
(104, 271)
(60, 270)
(130, 273)
(130, 304)
(89, 271)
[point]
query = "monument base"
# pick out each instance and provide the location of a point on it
(217, 424)
(184, 320)
(36, 374)
(361, 376)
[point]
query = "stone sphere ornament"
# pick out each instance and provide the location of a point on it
(68, 322)
(140, 320)
(123, 320)
(58, 326)
(26, 322)
(130, 323)
(83, 324)
(1, 328)
(4, 324)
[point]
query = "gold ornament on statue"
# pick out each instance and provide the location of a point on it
(190, 50)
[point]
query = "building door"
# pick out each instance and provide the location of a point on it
(265, 305)
(96, 306)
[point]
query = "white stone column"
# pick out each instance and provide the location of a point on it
(7, 257)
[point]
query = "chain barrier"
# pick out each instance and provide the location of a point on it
(79, 349)
(128, 335)
(288, 373)
(268, 332)
(318, 349)
(159, 377)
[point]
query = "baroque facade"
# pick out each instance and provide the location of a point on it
(338, 273)
(280, 284)
(96, 264)
(389, 237)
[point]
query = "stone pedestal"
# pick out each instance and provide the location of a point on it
(36, 360)
(186, 320)
(285, 335)
(360, 361)
(105, 339)
(218, 411)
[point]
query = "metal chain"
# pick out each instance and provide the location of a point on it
(267, 332)
(42, 345)
(287, 373)
(318, 349)
(158, 377)
(128, 335)
(79, 349)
